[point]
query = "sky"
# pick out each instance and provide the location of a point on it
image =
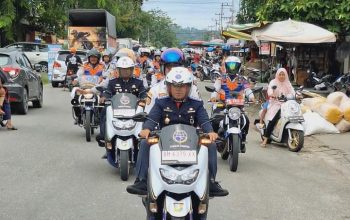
(191, 13)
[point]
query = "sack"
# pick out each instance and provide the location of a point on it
(330, 112)
(345, 107)
(343, 126)
(314, 103)
(335, 98)
(305, 108)
(315, 124)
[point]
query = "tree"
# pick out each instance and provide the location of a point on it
(158, 28)
(333, 15)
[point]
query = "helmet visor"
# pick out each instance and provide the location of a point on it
(126, 72)
(232, 67)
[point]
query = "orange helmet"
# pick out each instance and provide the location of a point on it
(73, 50)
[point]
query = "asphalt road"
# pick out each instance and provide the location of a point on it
(49, 171)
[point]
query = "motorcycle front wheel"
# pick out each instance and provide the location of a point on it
(88, 126)
(296, 141)
(124, 164)
(234, 152)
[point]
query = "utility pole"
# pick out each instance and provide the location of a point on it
(221, 14)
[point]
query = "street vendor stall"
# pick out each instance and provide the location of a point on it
(295, 32)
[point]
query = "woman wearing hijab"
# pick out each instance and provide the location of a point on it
(277, 87)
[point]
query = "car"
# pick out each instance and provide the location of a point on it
(25, 83)
(60, 67)
(36, 53)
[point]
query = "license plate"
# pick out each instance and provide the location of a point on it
(296, 119)
(124, 112)
(234, 101)
(56, 75)
(179, 157)
(88, 100)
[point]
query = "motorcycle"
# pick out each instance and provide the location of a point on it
(214, 72)
(70, 76)
(178, 174)
(89, 113)
(342, 84)
(230, 127)
(289, 128)
(122, 131)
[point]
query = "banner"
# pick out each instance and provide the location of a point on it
(53, 50)
(86, 38)
(265, 48)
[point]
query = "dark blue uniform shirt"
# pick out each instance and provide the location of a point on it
(191, 112)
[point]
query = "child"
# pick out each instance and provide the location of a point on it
(265, 106)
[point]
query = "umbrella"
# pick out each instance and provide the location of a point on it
(291, 31)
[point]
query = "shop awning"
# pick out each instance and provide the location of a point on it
(290, 31)
(242, 31)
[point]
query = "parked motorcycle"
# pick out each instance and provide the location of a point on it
(289, 128)
(122, 132)
(178, 174)
(215, 72)
(342, 84)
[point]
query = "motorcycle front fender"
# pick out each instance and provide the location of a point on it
(233, 130)
(178, 208)
(295, 126)
(124, 145)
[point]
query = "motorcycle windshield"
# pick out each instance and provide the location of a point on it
(87, 81)
(124, 105)
(179, 145)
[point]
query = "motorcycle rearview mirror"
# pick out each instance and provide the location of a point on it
(140, 117)
(274, 87)
(100, 89)
(210, 88)
(217, 117)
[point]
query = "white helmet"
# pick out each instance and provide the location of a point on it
(232, 65)
(144, 50)
(179, 76)
(125, 62)
(157, 53)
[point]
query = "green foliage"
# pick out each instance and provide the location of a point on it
(333, 15)
(158, 28)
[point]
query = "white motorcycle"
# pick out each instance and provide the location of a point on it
(178, 176)
(289, 128)
(122, 131)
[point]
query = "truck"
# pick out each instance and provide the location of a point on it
(91, 28)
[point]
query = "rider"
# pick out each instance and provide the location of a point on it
(73, 60)
(176, 108)
(172, 57)
(145, 63)
(277, 87)
(89, 75)
(224, 86)
(124, 83)
(109, 64)
(157, 74)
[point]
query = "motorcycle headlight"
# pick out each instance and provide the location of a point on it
(234, 113)
(124, 124)
(294, 109)
(174, 178)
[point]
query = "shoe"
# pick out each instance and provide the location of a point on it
(243, 149)
(138, 188)
(100, 140)
(215, 190)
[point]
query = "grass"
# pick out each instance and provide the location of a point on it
(45, 78)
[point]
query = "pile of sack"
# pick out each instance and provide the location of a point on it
(326, 115)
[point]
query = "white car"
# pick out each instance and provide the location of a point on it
(36, 52)
(59, 66)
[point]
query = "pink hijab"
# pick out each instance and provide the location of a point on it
(284, 87)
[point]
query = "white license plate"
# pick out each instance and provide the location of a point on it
(88, 100)
(179, 157)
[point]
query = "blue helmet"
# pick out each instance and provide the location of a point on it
(172, 55)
